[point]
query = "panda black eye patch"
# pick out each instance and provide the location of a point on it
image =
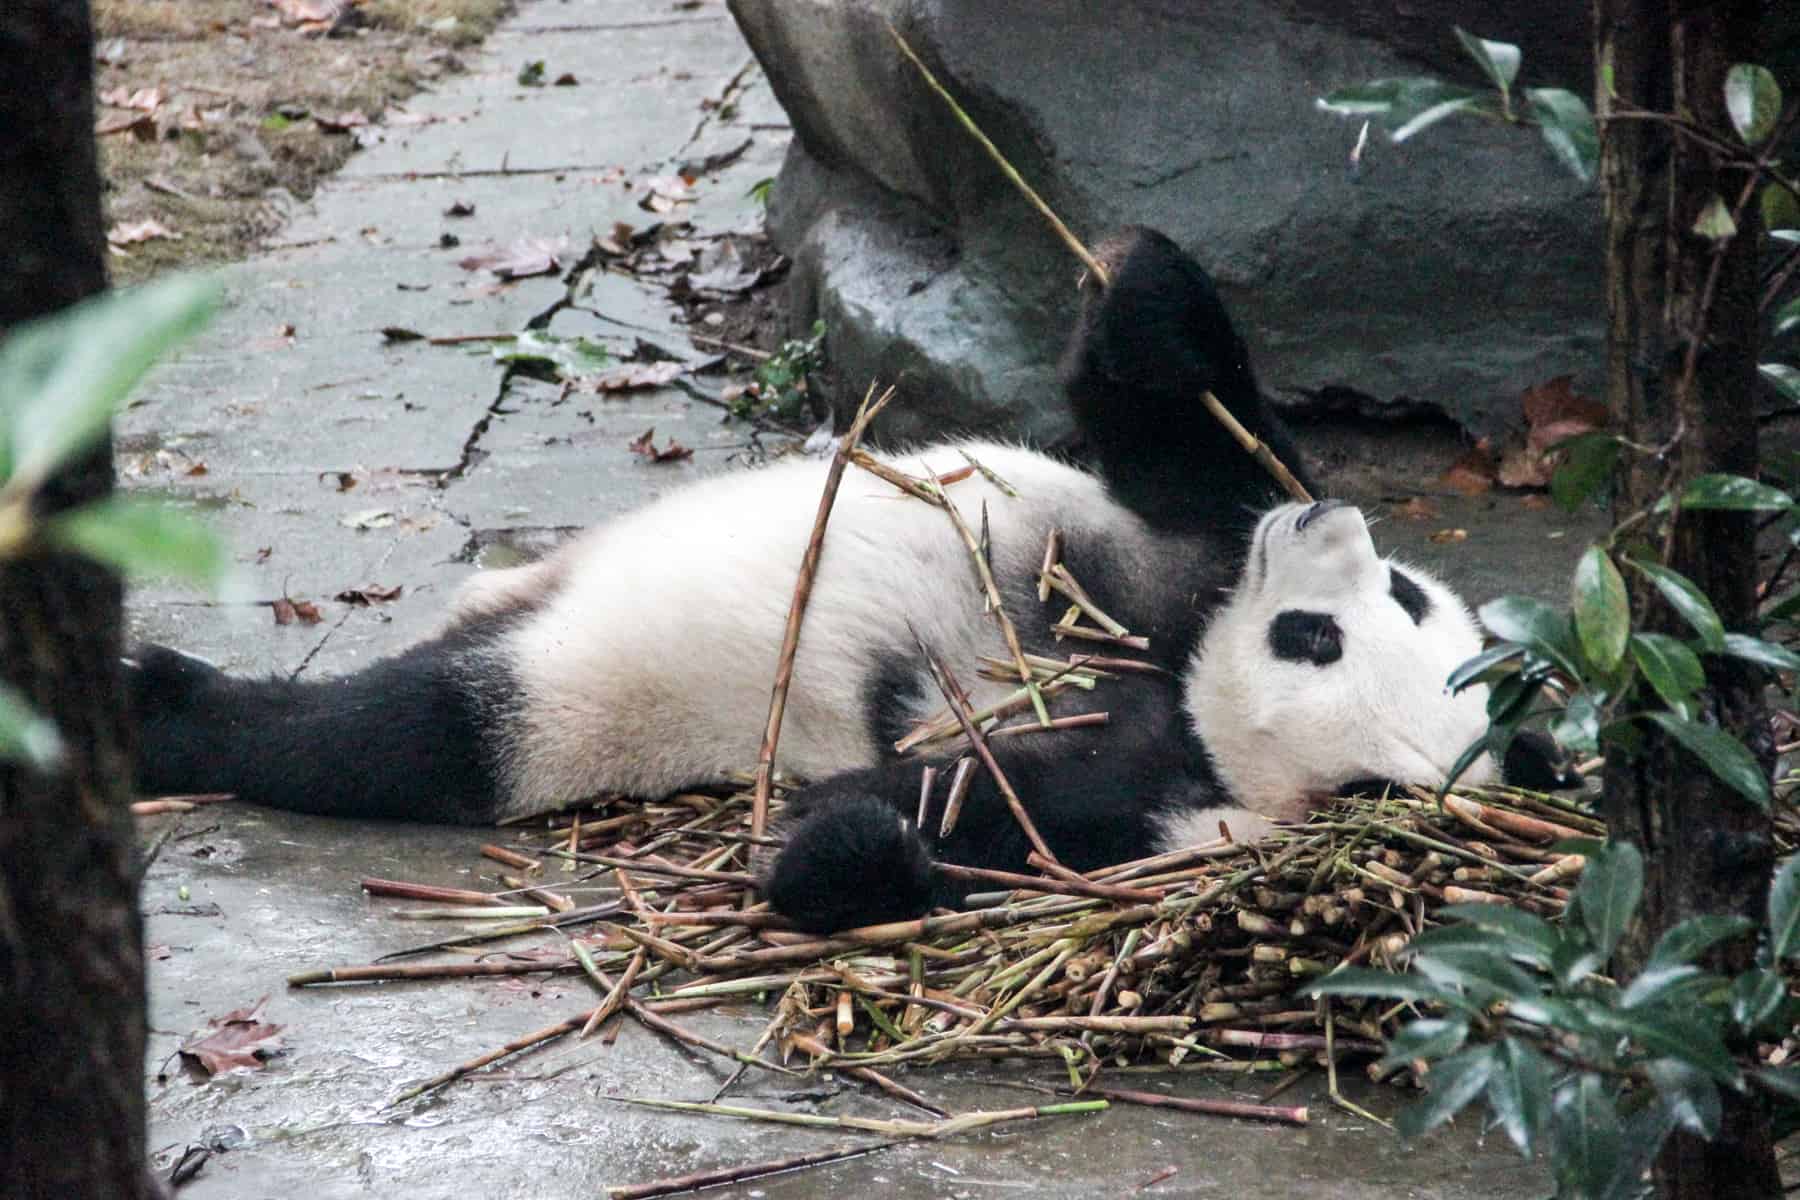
(1409, 595)
(1309, 637)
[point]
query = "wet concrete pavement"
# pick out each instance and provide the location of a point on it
(294, 391)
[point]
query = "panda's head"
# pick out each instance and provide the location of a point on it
(1326, 666)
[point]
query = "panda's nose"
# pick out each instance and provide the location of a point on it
(1315, 510)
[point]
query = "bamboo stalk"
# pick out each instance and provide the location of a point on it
(740, 1173)
(790, 637)
(1284, 1114)
(1244, 437)
(962, 1123)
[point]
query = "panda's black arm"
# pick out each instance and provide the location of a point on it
(855, 857)
(1144, 349)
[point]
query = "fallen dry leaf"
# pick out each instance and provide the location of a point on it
(635, 375)
(341, 122)
(129, 233)
(1416, 509)
(140, 125)
(1472, 474)
(461, 208)
(1554, 412)
(369, 593)
(1450, 535)
(525, 257)
(673, 452)
(144, 99)
(289, 611)
(1534, 501)
(372, 518)
(237, 1041)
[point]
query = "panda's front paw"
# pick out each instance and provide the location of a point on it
(1157, 326)
(849, 861)
(160, 680)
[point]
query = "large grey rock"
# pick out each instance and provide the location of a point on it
(1454, 270)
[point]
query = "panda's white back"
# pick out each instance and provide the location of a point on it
(648, 666)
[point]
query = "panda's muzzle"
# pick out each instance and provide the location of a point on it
(1314, 511)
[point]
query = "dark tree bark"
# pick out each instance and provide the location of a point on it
(71, 955)
(1681, 354)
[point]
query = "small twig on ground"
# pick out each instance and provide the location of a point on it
(741, 1172)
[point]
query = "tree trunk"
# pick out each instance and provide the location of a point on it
(1681, 374)
(71, 954)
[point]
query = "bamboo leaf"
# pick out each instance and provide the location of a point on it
(1730, 493)
(1753, 101)
(143, 537)
(1784, 911)
(1602, 611)
(1763, 654)
(1672, 669)
(1687, 600)
(1568, 128)
(1454, 1082)
(1784, 378)
(1724, 756)
(1499, 59)
(1695, 936)
(1588, 461)
(1608, 893)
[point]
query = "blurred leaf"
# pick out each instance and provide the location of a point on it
(1602, 611)
(1365, 981)
(1474, 670)
(1664, 1035)
(1764, 654)
(1787, 318)
(1783, 1081)
(1509, 699)
(1785, 378)
(1691, 1098)
(1454, 1082)
(1469, 757)
(1429, 1038)
(1724, 756)
(1693, 937)
(1731, 493)
(1687, 600)
(1587, 463)
(1672, 669)
(1529, 937)
(1518, 1094)
(1484, 975)
(1784, 911)
(1393, 102)
(1755, 995)
(1534, 625)
(1608, 893)
(1714, 222)
(1753, 100)
(1499, 59)
(25, 736)
(1653, 984)
(1586, 1137)
(142, 537)
(1430, 117)
(65, 375)
(1568, 126)
(1577, 728)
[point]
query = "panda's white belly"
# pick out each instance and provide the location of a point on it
(650, 667)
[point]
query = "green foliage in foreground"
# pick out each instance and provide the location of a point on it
(61, 380)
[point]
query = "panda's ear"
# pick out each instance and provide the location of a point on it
(1535, 762)
(1296, 635)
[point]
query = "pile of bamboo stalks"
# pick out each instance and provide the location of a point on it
(1189, 959)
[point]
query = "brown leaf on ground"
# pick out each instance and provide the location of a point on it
(143, 99)
(310, 12)
(1443, 536)
(140, 125)
(341, 122)
(369, 593)
(147, 230)
(1534, 501)
(1472, 474)
(1416, 509)
(525, 257)
(635, 375)
(673, 452)
(237, 1041)
(289, 611)
(1554, 413)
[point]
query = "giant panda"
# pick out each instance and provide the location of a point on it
(1292, 659)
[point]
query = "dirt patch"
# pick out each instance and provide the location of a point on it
(216, 116)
